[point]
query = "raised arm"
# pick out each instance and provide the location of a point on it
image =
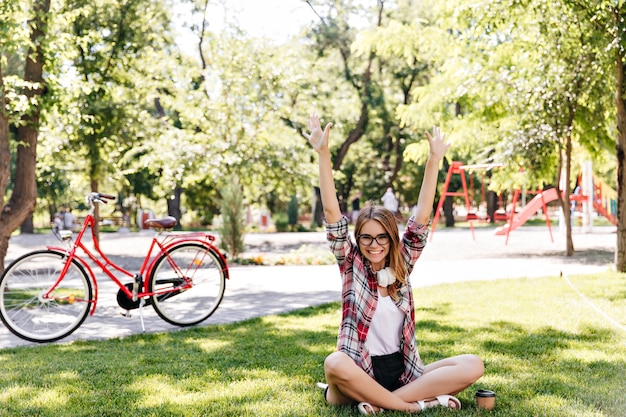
(319, 140)
(438, 147)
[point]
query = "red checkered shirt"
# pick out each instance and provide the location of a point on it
(360, 296)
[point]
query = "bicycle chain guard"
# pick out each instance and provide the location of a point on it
(127, 303)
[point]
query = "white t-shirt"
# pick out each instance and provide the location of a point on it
(383, 337)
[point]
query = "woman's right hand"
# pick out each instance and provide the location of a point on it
(317, 138)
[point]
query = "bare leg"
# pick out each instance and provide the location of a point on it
(447, 376)
(348, 383)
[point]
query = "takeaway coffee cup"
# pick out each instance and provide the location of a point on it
(485, 399)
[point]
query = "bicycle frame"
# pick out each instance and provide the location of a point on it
(108, 267)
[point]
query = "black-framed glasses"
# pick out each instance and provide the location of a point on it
(367, 240)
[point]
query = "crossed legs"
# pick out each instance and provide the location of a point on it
(348, 383)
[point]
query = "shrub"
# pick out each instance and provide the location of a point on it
(281, 222)
(292, 213)
(233, 226)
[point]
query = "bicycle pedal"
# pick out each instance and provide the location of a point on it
(126, 313)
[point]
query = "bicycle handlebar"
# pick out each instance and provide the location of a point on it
(99, 198)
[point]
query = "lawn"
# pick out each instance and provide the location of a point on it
(547, 352)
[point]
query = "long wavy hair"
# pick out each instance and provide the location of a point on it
(387, 220)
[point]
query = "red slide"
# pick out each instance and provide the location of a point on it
(603, 212)
(529, 210)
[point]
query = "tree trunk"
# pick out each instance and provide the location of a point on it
(27, 226)
(5, 165)
(96, 212)
(365, 94)
(318, 210)
(173, 207)
(620, 95)
(448, 211)
(5, 152)
(569, 243)
(24, 196)
(353, 136)
(492, 205)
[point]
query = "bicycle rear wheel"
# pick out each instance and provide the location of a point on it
(190, 283)
(27, 314)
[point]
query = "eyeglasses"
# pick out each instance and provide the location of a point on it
(367, 240)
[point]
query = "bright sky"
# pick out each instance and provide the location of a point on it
(276, 19)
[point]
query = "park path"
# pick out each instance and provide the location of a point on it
(254, 291)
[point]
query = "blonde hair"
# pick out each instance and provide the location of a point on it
(387, 220)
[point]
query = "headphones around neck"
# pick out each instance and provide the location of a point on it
(385, 277)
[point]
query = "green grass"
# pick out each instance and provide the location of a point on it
(546, 353)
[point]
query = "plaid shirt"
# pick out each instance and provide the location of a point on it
(360, 296)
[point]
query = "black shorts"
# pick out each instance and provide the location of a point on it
(388, 369)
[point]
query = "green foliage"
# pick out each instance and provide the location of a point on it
(281, 221)
(520, 99)
(376, 68)
(114, 42)
(53, 187)
(233, 223)
(499, 77)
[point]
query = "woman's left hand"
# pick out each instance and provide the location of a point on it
(437, 143)
(318, 138)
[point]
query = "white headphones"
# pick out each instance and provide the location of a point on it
(385, 277)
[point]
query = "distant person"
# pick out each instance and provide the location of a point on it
(377, 365)
(69, 220)
(390, 202)
(356, 206)
(58, 222)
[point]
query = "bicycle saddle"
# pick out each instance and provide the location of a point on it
(164, 223)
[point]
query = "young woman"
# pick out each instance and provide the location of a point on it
(376, 363)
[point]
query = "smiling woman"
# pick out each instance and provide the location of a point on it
(377, 363)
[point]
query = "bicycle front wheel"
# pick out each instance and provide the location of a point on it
(188, 281)
(25, 311)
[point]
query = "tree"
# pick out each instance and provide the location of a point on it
(608, 23)
(114, 83)
(233, 218)
(20, 106)
(561, 106)
(528, 84)
(292, 213)
(376, 73)
(222, 109)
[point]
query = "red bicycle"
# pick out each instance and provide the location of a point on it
(47, 294)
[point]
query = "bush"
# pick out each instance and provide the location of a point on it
(233, 225)
(292, 213)
(281, 221)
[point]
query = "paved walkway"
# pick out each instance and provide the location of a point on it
(451, 256)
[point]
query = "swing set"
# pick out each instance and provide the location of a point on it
(514, 219)
(458, 168)
(603, 201)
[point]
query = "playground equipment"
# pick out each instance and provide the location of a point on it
(458, 168)
(602, 199)
(605, 201)
(540, 201)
